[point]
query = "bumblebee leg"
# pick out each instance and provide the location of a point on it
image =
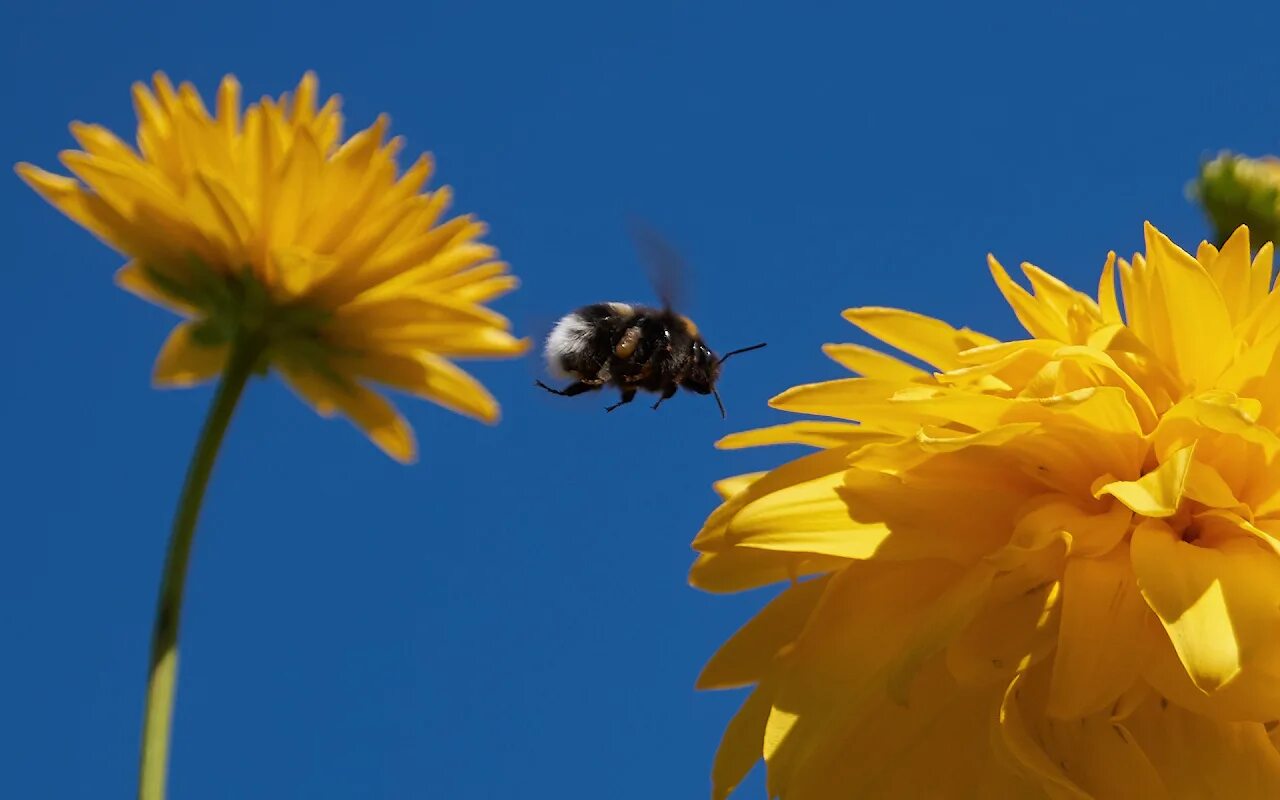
(667, 394)
(575, 388)
(628, 395)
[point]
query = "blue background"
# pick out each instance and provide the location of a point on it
(510, 617)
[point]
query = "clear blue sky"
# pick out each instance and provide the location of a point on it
(510, 617)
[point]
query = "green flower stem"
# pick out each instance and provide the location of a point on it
(163, 678)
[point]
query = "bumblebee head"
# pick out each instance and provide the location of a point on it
(704, 370)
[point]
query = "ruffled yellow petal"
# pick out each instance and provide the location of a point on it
(836, 672)
(1103, 615)
(1199, 757)
(1094, 758)
(937, 747)
(1015, 629)
(1159, 492)
(1254, 695)
(1218, 596)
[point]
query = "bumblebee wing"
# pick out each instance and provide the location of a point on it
(666, 269)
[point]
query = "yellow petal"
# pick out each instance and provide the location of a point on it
(1199, 757)
(1091, 534)
(393, 315)
(1103, 618)
(1219, 597)
(458, 341)
(1053, 293)
(743, 742)
(1093, 758)
(1232, 271)
(864, 514)
(297, 178)
(454, 388)
(1158, 493)
(183, 362)
(930, 340)
(740, 568)
(426, 375)
(728, 487)
(1254, 695)
(814, 466)
(1207, 487)
(835, 673)
(1015, 629)
(369, 411)
(814, 434)
(810, 517)
(1039, 319)
(1260, 275)
(1184, 291)
(1192, 606)
(872, 363)
(86, 208)
(891, 404)
(954, 609)
(1018, 739)
(487, 290)
(748, 655)
(936, 748)
(1107, 292)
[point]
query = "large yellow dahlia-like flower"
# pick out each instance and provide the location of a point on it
(268, 225)
(1042, 568)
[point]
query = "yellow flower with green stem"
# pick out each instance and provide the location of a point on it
(1047, 567)
(286, 247)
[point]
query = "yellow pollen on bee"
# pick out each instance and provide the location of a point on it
(627, 344)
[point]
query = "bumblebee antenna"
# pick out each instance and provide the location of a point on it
(717, 396)
(725, 357)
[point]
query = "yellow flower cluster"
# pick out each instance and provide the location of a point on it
(266, 224)
(1042, 568)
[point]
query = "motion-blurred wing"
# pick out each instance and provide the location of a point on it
(667, 270)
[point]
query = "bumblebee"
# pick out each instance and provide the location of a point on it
(635, 347)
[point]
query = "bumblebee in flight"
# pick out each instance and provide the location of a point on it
(635, 347)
